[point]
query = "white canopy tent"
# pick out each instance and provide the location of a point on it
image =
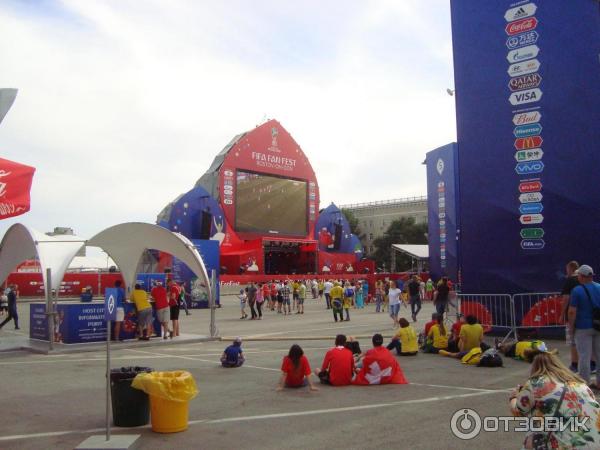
(21, 243)
(418, 253)
(125, 244)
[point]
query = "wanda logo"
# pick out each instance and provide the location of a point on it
(520, 26)
(530, 186)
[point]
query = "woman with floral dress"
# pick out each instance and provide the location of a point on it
(552, 390)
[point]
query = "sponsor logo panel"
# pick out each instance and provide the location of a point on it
(527, 130)
(522, 97)
(531, 208)
(525, 82)
(534, 154)
(531, 219)
(521, 26)
(524, 68)
(528, 142)
(520, 12)
(527, 117)
(532, 233)
(530, 186)
(532, 244)
(521, 54)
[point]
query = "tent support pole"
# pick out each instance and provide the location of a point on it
(211, 303)
(49, 309)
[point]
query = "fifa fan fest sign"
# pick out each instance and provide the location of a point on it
(15, 184)
(527, 79)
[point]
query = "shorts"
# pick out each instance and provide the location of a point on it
(120, 314)
(569, 337)
(286, 301)
(394, 309)
(163, 314)
(174, 312)
(279, 299)
(320, 292)
(300, 301)
(145, 318)
(304, 383)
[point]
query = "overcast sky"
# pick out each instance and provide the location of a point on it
(123, 104)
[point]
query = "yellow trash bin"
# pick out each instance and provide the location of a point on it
(170, 394)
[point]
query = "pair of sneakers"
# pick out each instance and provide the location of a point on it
(573, 367)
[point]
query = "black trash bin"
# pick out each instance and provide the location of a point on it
(130, 407)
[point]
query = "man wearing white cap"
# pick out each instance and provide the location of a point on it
(584, 321)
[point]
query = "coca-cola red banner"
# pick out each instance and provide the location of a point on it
(15, 184)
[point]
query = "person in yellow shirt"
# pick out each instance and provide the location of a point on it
(144, 312)
(470, 337)
(519, 349)
(405, 340)
(336, 294)
(438, 335)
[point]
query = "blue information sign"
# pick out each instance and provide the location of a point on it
(110, 304)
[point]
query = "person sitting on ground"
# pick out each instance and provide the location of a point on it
(437, 337)
(338, 365)
(295, 370)
(144, 312)
(519, 349)
(432, 322)
(470, 337)
(552, 390)
(379, 366)
(405, 340)
(233, 356)
(455, 333)
(353, 345)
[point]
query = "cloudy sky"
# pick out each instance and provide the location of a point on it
(123, 104)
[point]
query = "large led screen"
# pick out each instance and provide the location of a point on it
(272, 205)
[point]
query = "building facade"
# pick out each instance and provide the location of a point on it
(374, 218)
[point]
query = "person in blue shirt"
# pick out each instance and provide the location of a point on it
(120, 310)
(584, 298)
(233, 356)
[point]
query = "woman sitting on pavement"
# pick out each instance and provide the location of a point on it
(437, 338)
(353, 345)
(552, 390)
(405, 340)
(295, 370)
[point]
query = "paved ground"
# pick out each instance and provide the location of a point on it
(56, 401)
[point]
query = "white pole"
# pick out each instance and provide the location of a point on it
(49, 309)
(211, 302)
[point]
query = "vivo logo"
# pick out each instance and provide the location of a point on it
(529, 167)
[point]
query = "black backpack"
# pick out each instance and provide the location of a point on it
(490, 358)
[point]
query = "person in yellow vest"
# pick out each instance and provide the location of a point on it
(405, 340)
(144, 312)
(336, 294)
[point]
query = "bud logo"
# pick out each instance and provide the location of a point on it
(531, 219)
(534, 154)
(529, 167)
(531, 197)
(528, 96)
(521, 54)
(528, 117)
(520, 12)
(522, 39)
(532, 244)
(531, 208)
(524, 68)
(528, 142)
(525, 82)
(527, 130)
(530, 186)
(520, 26)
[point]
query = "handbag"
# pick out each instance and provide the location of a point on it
(595, 310)
(540, 440)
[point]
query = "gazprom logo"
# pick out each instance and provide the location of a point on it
(529, 167)
(527, 130)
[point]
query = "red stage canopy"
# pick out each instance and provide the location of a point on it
(15, 184)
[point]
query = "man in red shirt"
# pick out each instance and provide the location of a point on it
(159, 294)
(174, 293)
(428, 325)
(338, 366)
(456, 326)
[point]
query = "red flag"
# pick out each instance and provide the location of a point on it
(15, 184)
(380, 367)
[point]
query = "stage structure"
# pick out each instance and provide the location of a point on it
(260, 201)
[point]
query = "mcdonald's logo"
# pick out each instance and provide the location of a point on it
(528, 142)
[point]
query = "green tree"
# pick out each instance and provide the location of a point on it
(401, 231)
(353, 221)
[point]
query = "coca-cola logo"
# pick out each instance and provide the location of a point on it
(520, 26)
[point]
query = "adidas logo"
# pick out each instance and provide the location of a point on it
(520, 13)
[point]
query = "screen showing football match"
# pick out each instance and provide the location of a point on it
(267, 204)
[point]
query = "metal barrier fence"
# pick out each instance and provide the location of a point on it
(494, 311)
(511, 313)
